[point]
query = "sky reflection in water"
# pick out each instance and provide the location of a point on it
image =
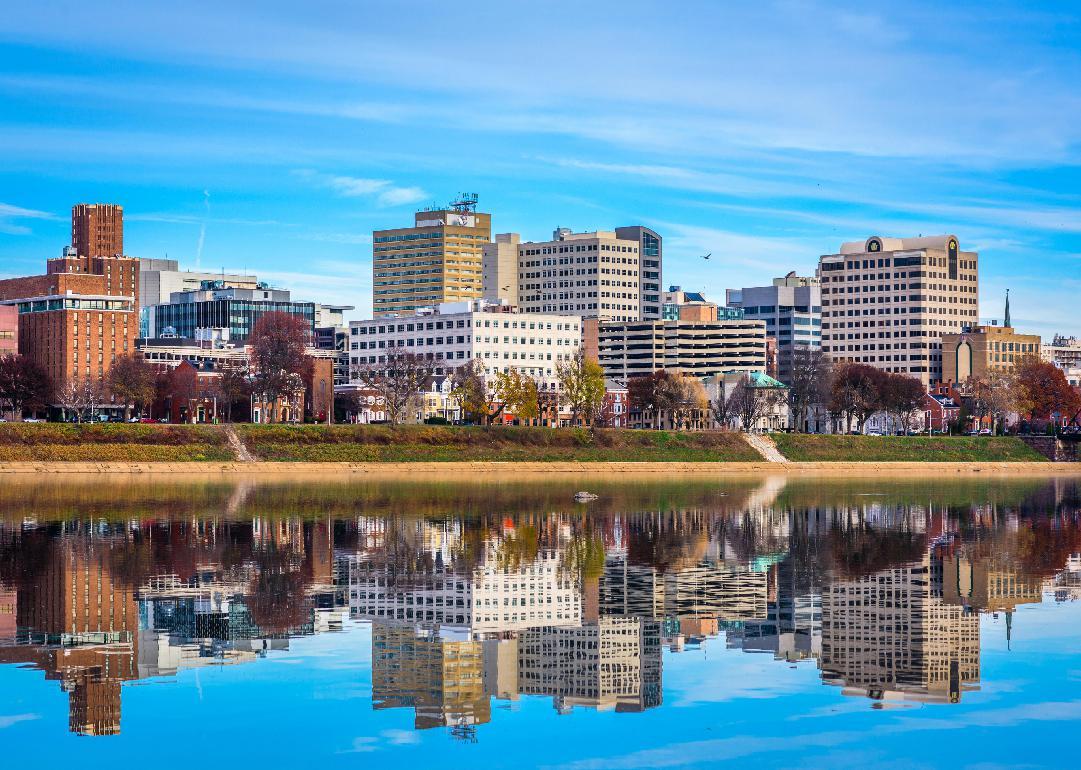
(794, 622)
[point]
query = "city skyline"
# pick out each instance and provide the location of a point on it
(765, 136)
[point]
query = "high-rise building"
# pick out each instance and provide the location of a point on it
(610, 275)
(97, 229)
(792, 310)
(79, 316)
(439, 259)
(887, 302)
(500, 272)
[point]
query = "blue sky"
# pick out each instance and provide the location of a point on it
(312, 706)
(274, 136)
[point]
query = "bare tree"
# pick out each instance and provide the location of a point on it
(724, 407)
(233, 385)
(750, 404)
(809, 383)
(993, 396)
(80, 398)
(70, 396)
(398, 380)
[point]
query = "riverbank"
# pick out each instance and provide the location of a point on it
(476, 471)
(422, 449)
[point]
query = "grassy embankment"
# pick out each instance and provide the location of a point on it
(931, 449)
(45, 442)
(422, 443)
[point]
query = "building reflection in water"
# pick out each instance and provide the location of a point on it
(884, 598)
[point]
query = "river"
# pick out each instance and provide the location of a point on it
(806, 622)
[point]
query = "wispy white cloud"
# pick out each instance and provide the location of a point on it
(383, 191)
(14, 719)
(10, 216)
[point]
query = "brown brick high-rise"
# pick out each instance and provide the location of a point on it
(83, 312)
(97, 229)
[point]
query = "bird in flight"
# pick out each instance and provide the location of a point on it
(707, 256)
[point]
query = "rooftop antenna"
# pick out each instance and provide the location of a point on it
(465, 203)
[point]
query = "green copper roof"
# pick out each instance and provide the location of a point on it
(763, 380)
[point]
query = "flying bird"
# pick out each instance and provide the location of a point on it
(707, 256)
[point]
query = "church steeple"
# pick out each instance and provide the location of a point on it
(1007, 323)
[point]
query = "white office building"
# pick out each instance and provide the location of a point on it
(454, 333)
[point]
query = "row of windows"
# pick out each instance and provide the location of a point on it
(578, 247)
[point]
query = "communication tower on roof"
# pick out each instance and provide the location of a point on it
(466, 203)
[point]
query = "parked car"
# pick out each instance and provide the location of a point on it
(33, 419)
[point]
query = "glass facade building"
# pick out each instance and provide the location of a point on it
(238, 316)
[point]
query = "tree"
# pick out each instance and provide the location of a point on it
(1042, 391)
(183, 391)
(470, 390)
(582, 383)
(900, 396)
(233, 385)
(80, 397)
(690, 401)
(517, 394)
(24, 384)
(855, 393)
(278, 357)
(750, 404)
(724, 407)
(131, 381)
(398, 380)
(809, 383)
(993, 396)
(662, 393)
(70, 394)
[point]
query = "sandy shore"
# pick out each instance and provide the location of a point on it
(468, 470)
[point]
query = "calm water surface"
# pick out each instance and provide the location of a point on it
(324, 624)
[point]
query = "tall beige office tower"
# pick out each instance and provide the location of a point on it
(887, 302)
(439, 259)
(501, 268)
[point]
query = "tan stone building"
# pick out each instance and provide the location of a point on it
(439, 259)
(980, 350)
(887, 302)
